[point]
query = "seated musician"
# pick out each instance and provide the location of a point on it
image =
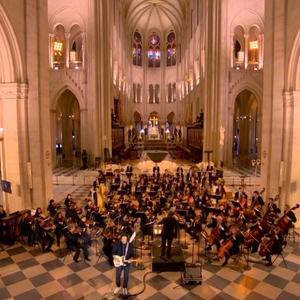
(190, 175)
(206, 202)
(153, 187)
(273, 248)
(84, 235)
(166, 174)
(179, 186)
(290, 215)
(195, 226)
(2, 212)
(68, 202)
(89, 209)
(139, 187)
(156, 170)
(254, 236)
(166, 186)
(144, 179)
(193, 187)
(220, 191)
(131, 212)
(96, 183)
(191, 210)
(209, 168)
(162, 199)
(73, 215)
(143, 203)
(123, 186)
(235, 249)
(203, 179)
(116, 177)
(147, 222)
(197, 199)
(218, 230)
(155, 209)
(26, 228)
(101, 177)
(52, 208)
(114, 185)
(75, 243)
(38, 214)
(240, 193)
(273, 206)
(43, 236)
(60, 223)
(179, 171)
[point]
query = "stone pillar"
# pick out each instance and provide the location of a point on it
(83, 35)
(51, 38)
(261, 50)
(53, 121)
(232, 49)
(67, 49)
(246, 36)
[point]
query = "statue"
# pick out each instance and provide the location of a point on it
(222, 133)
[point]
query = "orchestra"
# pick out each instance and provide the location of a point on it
(196, 202)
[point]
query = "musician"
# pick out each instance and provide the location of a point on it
(96, 183)
(179, 171)
(124, 249)
(289, 214)
(68, 202)
(240, 193)
(143, 203)
(156, 169)
(167, 233)
(209, 168)
(197, 199)
(162, 199)
(26, 229)
(129, 170)
(195, 227)
(193, 186)
(74, 243)
(235, 249)
(108, 242)
(147, 221)
(276, 248)
(155, 209)
(258, 230)
(116, 177)
(217, 226)
(190, 175)
(123, 186)
(191, 210)
(2, 212)
(273, 205)
(43, 236)
(60, 223)
(72, 214)
(257, 199)
(101, 177)
(220, 191)
(52, 208)
(179, 186)
(89, 209)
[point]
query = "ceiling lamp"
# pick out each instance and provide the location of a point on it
(253, 45)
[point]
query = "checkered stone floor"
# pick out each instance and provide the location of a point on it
(27, 273)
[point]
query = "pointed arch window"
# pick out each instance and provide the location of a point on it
(154, 51)
(137, 49)
(171, 49)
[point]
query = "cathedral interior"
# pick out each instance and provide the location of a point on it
(97, 94)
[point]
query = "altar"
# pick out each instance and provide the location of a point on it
(153, 130)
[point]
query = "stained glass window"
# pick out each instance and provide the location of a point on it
(154, 51)
(137, 49)
(171, 49)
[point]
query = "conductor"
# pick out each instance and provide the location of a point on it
(167, 233)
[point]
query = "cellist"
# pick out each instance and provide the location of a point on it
(234, 240)
(256, 232)
(218, 232)
(273, 246)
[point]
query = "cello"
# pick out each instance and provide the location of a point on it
(224, 249)
(284, 221)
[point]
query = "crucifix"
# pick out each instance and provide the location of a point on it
(153, 119)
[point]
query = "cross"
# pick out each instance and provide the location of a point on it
(153, 119)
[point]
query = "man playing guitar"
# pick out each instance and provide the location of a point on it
(122, 254)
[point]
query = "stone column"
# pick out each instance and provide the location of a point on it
(261, 50)
(53, 121)
(246, 36)
(51, 38)
(232, 49)
(83, 49)
(67, 49)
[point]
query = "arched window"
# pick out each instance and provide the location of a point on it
(134, 92)
(151, 93)
(171, 49)
(169, 99)
(137, 49)
(154, 51)
(138, 94)
(174, 93)
(157, 93)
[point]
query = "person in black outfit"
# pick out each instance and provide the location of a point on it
(235, 249)
(52, 208)
(167, 233)
(2, 212)
(73, 215)
(156, 168)
(84, 158)
(290, 217)
(124, 249)
(277, 248)
(240, 193)
(74, 244)
(43, 236)
(257, 240)
(26, 228)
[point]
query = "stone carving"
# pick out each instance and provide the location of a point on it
(222, 135)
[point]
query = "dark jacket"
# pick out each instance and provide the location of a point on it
(120, 249)
(169, 225)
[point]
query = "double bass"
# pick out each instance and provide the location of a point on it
(283, 221)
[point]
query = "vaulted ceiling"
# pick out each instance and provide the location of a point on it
(160, 14)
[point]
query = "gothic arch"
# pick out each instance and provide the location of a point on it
(57, 91)
(10, 57)
(293, 72)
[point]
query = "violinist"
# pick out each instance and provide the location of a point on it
(257, 201)
(195, 226)
(189, 175)
(197, 199)
(179, 186)
(52, 208)
(26, 228)
(218, 232)
(193, 186)
(143, 203)
(155, 209)
(147, 222)
(68, 202)
(290, 216)
(162, 199)
(89, 208)
(60, 223)
(116, 177)
(43, 236)
(138, 187)
(234, 240)
(75, 244)
(220, 191)
(191, 210)
(273, 246)
(253, 236)
(72, 214)
(179, 171)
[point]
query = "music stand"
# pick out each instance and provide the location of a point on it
(241, 254)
